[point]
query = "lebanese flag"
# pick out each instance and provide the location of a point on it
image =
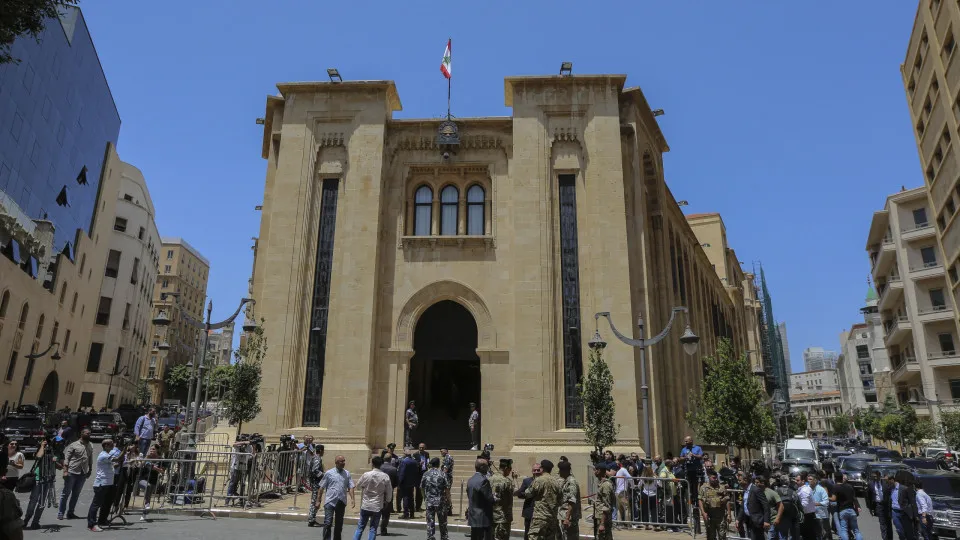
(445, 66)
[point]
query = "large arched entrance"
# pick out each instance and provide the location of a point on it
(49, 392)
(444, 374)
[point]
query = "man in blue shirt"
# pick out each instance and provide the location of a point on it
(692, 456)
(102, 484)
(144, 430)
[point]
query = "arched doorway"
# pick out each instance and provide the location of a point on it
(49, 392)
(444, 374)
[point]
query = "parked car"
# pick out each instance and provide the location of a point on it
(129, 414)
(825, 449)
(884, 454)
(794, 467)
(853, 467)
(27, 430)
(171, 421)
(885, 468)
(921, 464)
(105, 425)
(932, 451)
(944, 490)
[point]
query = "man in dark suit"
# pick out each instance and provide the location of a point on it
(878, 502)
(527, 501)
(423, 458)
(480, 503)
(758, 506)
(409, 477)
(903, 502)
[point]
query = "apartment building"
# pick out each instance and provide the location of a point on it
(863, 366)
(220, 346)
(816, 394)
(917, 312)
(931, 78)
(120, 337)
(180, 292)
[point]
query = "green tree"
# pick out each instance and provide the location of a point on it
(797, 424)
(840, 424)
(596, 392)
(950, 420)
(730, 408)
(177, 378)
(242, 400)
(25, 18)
(220, 378)
(142, 393)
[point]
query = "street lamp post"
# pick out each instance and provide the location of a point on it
(123, 373)
(34, 356)
(689, 340)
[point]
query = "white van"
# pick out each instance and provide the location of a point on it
(801, 448)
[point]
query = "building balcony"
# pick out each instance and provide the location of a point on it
(918, 232)
(892, 294)
(885, 257)
(897, 330)
(943, 359)
(931, 314)
(926, 270)
(904, 368)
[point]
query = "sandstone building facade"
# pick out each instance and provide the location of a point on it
(442, 262)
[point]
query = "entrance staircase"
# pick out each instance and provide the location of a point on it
(463, 469)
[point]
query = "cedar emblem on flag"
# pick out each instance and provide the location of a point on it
(445, 66)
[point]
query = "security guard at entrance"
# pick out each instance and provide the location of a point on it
(713, 508)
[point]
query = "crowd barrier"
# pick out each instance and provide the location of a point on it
(649, 502)
(144, 485)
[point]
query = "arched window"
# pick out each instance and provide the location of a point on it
(42, 320)
(475, 196)
(4, 304)
(423, 211)
(23, 316)
(448, 210)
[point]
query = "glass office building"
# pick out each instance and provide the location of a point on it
(56, 117)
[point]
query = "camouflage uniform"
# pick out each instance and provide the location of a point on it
(714, 500)
(434, 486)
(314, 466)
(569, 500)
(446, 465)
(545, 492)
(604, 503)
(503, 505)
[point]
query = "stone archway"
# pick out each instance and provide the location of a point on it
(444, 290)
(49, 392)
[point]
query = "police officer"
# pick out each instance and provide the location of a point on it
(545, 492)
(713, 507)
(502, 488)
(434, 485)
(603, 503)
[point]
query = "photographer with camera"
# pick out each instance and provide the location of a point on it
(239, 461)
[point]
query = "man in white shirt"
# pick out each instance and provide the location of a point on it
(374, 488)
(624, 490)
(335, 485)
(808, 529)
(925, 511)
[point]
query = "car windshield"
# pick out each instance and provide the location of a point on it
(799, 453)
(943, 486)
(24, 423)
(889, 454)
(854, 464)
(827, 447)
(103, 418)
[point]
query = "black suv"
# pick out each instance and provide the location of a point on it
(105, 425)
(853, 467)
(27, 430)
(944, 490)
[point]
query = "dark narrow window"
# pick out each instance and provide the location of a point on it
(928, 256)
(93, 361)
(316, 353)
(423, 211)
(570, 291)
(937, 300)
(946, 343)
(475, 210)
(920, 217)
(449, 200)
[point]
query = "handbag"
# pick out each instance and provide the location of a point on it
(26, 483)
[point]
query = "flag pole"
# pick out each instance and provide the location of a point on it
(449, 79)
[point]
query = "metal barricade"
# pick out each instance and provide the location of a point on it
(233, 472)
(146, 484)
(737, 524)
(651, 502)
(276, 474)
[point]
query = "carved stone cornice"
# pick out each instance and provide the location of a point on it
(429, 143)
(330, 139)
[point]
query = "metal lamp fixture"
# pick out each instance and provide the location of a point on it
(334, 75)
(690, 341)
(566, 69)
(597, 343)
(161, 319)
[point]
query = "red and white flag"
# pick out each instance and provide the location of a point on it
(445, 66)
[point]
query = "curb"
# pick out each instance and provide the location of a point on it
(405, 524)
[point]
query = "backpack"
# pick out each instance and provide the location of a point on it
(792, 508)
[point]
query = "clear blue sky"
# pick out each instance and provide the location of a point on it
(788, 118)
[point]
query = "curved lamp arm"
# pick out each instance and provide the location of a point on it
(230, 319)
(641, 341)
(34, 356)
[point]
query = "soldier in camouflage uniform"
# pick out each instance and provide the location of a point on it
(568, 514)
(313, 463)
(434, 486)
(713, 507)
(603, 504)
(446, 466)
(502, 488)
(545, 492)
